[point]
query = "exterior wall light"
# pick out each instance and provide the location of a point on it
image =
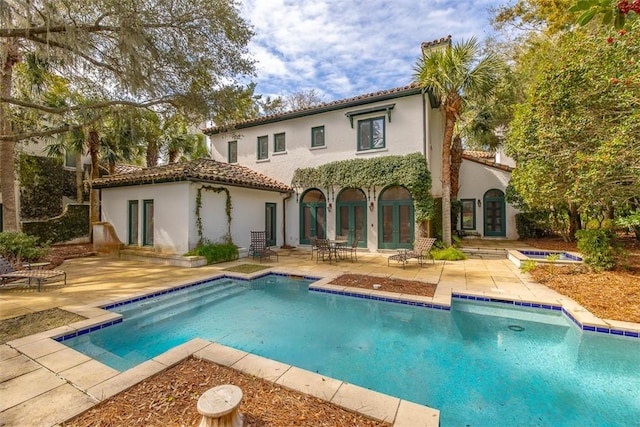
(371, 206)
(479, 203)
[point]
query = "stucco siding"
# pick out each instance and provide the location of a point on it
(475, 180)
(172, 213)
(404, 134)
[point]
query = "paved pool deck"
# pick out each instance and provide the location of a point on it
(44, 383)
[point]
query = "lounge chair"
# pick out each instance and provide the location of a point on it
(420, 251)
(9, 274)
(259, 248)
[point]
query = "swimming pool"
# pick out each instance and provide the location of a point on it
(479, 364)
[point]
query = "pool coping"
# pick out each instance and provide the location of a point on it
(518, 258)
(352, 397)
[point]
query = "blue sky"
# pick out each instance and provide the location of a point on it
(343, 49)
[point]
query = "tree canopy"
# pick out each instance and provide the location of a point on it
(165, 54)
(576, 137)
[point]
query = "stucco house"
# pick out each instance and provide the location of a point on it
(399, 121)
(171, 208)
(255, 161)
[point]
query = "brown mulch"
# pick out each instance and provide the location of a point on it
(609, 294)
(171, 398)
(413, 287)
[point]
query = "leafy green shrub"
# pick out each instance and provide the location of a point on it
(597, 248)
(528, 266)
(215, 252)
(630, 222)
(448, 254)
(533, 224)
(18, 247)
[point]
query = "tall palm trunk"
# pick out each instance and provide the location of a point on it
(456, 163)
(79, 179)
(153, 153)
(452, 109)
(94, 148)
(9, 56)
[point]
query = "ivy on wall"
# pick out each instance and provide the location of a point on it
(409, 171)
(42, 183)
(72, 224)
(228, 206)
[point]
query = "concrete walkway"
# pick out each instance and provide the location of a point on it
(44, 383)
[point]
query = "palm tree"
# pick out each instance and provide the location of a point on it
(454, 74)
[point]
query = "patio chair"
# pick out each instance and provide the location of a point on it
(421, 248)
(323, 248)
(314, 245)
(351, 250)
(259, 247)
(9, 274)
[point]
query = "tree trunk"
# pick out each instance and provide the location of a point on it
(456, 162)
(153, 153)
(173, 155)
(94, 148)
(574, 222)
(452, 108)
(79, 179)
(9, 56)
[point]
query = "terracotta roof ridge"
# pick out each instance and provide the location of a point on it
(400, 89)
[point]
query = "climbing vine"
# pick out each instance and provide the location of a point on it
(409, 171)
(199, 207)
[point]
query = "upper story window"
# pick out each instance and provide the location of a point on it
(371, 134)
(232, 152)
(279, 144)
(317, 136)
(263, 147)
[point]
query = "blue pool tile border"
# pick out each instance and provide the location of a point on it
(169, 291)
(384, 299)
(198, 283)
(551, 307)
(547, 253)
(84, 331)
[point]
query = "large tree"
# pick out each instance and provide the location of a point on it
(576, 138)
(170, 53)
(455, 74)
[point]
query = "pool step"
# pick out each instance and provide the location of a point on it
(171, 298)
(185, 303)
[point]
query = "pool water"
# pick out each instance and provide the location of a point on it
(479, 364)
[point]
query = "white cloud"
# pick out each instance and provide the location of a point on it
(344, 49)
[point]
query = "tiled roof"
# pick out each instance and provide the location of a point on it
(410, 89)
(480, 154)
(202, 170)
(486, 162)
(125, 168)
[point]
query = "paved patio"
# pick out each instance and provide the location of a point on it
(43, 383)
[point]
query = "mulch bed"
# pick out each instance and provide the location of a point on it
(171, 398)
(413, 287)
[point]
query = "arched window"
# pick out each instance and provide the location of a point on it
(351, 216)
(395, 218)
(313, 222)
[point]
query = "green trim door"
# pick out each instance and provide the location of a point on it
(395, 219)
(351, 216)
(494, 214)
(147, 222)
(313, 208)
(133, 223)
(270, 223)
